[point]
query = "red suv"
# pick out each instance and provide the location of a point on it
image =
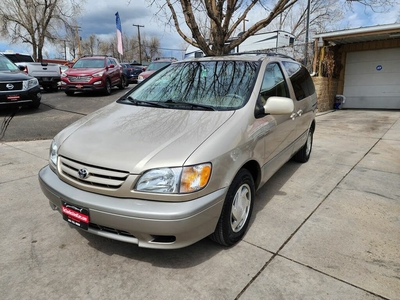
(93, 73)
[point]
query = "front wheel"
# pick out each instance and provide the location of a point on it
(237, 209)
(35, 104)
(69, 93)
(107, 89)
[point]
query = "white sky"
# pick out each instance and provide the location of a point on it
(99, 18)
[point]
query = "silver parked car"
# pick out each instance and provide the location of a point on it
(180, 157)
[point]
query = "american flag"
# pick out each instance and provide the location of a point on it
(119, 34)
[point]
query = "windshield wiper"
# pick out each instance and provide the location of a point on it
(191, 105)
(145, 103)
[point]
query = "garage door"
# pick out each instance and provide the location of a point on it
(372, 79)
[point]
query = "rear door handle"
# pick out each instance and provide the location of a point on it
(299, 113)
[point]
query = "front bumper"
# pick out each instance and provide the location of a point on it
(48, 81)
(82, 87)
(20, 97)
(149, 224)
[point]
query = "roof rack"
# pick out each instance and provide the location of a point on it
(92, 55)
(165, 58)
(261, 52)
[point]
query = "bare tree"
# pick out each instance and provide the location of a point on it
(35, 21)
(323, 15)
(151, 48)
(226, 16)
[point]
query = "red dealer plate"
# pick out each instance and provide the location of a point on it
(13, 97)
(75, 215)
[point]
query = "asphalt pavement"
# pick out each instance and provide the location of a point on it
(327, 229)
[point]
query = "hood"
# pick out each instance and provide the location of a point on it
(146, 74)
(134, 138)
(83, 71)
(14, 76)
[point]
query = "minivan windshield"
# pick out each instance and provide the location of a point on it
(220, 85)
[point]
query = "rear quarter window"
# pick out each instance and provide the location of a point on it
(17, 58)
(302, 83)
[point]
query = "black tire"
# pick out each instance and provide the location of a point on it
(35, 104)
(303, 155)
(123, 83)
(237, 210)
(107, 89)
(69, 93)
(54, 88)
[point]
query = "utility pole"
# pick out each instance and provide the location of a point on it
(307, 33)
(77, 28)
(244, 24)
(140, 45)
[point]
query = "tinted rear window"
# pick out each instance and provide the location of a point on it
(301, 80)
(17, 58)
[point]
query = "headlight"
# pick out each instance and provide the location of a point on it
(28, 84)
(53, 154)
(98, 74)
(140, 77)
(175, 180)
(63, 75)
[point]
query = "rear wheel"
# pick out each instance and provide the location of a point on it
(123, 83)
(237, 209)
(303, 155)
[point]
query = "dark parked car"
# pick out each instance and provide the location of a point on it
(132, 71)
(17, 87)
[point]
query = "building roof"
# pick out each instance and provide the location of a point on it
(362, 34)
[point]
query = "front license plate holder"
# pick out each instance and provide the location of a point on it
(75, 215)
(13, 97)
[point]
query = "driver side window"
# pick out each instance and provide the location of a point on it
(274, 83)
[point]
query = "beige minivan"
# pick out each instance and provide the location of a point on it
(181, 155)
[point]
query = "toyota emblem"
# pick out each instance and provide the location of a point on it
(83, 173)
(10, 86)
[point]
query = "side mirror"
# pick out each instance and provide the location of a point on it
(22, 68)
(279, 106)
(111, 66)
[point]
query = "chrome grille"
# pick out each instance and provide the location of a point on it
(97, 176)
(79, 78)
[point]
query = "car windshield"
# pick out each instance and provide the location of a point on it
(216, 84)
(89, 63)
(7, 66)
(154, 66)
